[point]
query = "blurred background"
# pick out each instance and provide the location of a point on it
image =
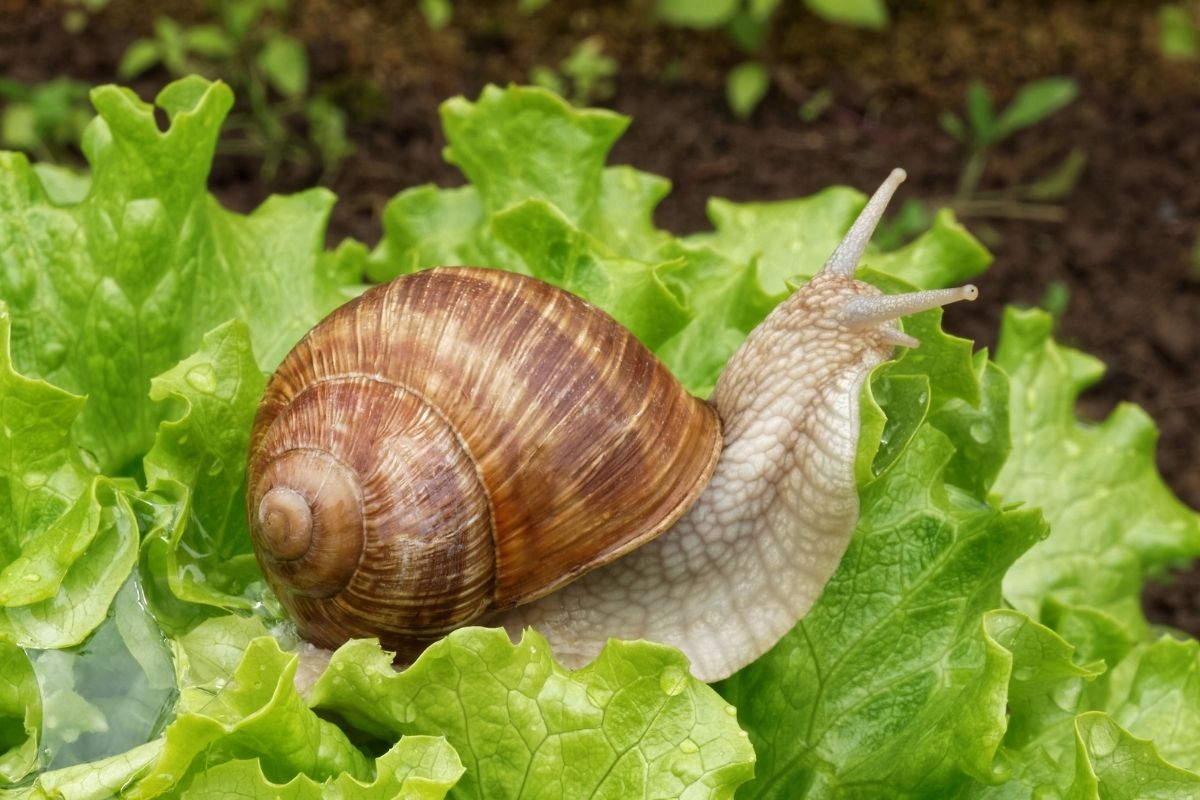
(1065, 135)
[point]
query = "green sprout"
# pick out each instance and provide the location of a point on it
(584, 77)
(984, 128)
(266, 66)
(1178, 33)
(44, 119)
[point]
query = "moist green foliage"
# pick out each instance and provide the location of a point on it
(1114, 519)
(529, 728)
(980, 639)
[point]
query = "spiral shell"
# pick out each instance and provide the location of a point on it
(457, 442)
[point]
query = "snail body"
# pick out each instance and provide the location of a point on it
(468, 445)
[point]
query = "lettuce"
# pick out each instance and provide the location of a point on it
(630, 724)
(68, 535)
(981, 638)
(1116, 521)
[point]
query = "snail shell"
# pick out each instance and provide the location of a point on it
(458, 442)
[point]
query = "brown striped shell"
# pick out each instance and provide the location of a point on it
(457, 442)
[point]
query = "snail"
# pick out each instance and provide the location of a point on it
(471, 446)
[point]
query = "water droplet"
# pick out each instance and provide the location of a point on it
(34, 479)
(673, 681)
(202, 378)
(1046, 793)
(688, 746)
(31, 577)
(981, 432)
(731, 711)
(215, 467)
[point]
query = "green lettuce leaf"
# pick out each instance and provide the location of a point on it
(428, 227)
(579, 226)
(94, 780)
(633, 723)
(1156, 690)
(199, 460)
(63, 185)
(67, 536)
(1114, 521)
(1111, 764)
(1043, 690)
(553, 249)
(416, 768)
(20, 714)
(945, 255)
(789, 239)
(111, 291)
(256, 714)
(208, 654)
(520, 143)
(624, 218)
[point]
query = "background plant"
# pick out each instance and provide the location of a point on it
(747, 23)
(984, 128)
(584, 77)
(79, 12)
(248, 48)
(980, 130)
(45, 119)
(1178, 31)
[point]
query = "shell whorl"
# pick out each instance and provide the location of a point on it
(501, 437)
(304, 495)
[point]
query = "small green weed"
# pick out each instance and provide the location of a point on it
(77, 13)
(584, 77)
(44, 119)
(747, 23)
(984, 128)
(248, 49)
(1178, 32)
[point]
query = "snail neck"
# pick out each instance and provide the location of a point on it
(789, 405)
(783, 503)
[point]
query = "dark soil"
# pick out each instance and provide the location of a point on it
(1121, 243)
